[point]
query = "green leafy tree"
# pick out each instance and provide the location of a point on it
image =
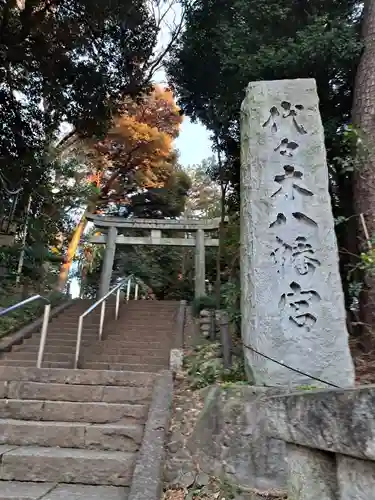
(68, 61)
(204, 195)
(228, 43)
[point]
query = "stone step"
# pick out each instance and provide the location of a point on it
(25, 355)
(160, 354)
(24, 363)
(97, 365)
(141, 308)
(75, 316)
(55, 344)
(73, 320)
(69, 341)
(93, 349)
(143, 324)
(110, 437)
(130, 345)
(71, 336)
(129, 334)
(76, 377)
(49, 349)
(123, 359)
(72, 411)
(138, 315)
(17, 490)
(64, 330)
(105, 348)
(66, 465)
(139, 336)
(66, 360)
(78, 393)
(66, 326)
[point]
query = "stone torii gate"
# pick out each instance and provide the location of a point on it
(111, 229)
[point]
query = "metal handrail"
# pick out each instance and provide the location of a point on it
(101, 301)
(22, 303)
(43, 333)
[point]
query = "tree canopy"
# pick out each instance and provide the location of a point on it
(73, 61)
(69, 61)
(135, 163)
(228, 43)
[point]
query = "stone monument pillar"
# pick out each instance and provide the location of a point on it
(292, 300)
(109, 257)
(200, 264)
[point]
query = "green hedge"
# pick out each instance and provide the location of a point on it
(25, 315)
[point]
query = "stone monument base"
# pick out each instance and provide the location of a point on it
(229, 439)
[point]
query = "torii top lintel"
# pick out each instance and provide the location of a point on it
(178, 225)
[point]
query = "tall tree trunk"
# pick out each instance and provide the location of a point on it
(364, 179)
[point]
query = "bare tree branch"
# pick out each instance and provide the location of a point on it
(174, 26)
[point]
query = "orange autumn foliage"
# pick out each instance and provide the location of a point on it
(137, 152)
(141, 141)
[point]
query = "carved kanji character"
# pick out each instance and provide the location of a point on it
(298, 305)
(303, 256)
(274, 113)
(287, 147)
(289, 183)
(292, 110)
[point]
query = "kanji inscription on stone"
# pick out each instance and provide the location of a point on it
(292, 301)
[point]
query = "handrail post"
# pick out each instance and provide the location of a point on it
(117, 302)
(78, 345)
(101, 301)
(101, 324)
(128, 290)
(43, 335)
(136, 291)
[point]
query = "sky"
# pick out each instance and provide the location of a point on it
(193, 143)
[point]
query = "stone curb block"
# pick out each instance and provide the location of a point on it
(336, 420)
(148, 474)
(25, 332)
(176, 360)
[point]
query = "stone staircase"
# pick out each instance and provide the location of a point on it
(75, 434)
(61, 338)
(141, 343)
(140, 340)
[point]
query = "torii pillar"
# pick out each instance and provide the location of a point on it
(200, 264)
(109, 257)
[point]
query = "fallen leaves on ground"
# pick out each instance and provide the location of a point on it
(174, 495)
